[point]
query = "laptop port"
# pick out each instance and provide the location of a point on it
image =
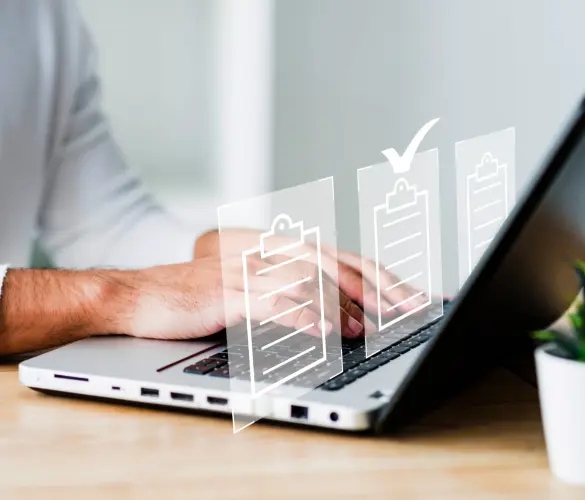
(69, 377)
(179, 396)
(334, 416)
(299, 412)
(115, 388)
(213, 400)
(152, 393)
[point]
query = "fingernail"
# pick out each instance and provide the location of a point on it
(327, 326)
(355, 326)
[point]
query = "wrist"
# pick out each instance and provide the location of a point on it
(114, 298)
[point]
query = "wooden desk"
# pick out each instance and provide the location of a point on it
(487, 443)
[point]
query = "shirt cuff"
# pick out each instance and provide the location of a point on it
(3, 271)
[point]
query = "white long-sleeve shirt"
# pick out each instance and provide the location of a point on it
(62, 178)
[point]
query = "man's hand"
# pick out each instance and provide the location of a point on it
(194, 300)
(357, 279)
(46, 308)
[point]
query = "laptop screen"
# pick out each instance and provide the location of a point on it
(525, 281)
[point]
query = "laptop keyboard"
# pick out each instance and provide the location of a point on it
(355, 363)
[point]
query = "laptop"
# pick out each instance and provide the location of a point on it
(523, 282)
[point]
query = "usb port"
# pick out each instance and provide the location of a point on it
(178, 396)
(299, 412)
(212, 400)
(153, 393)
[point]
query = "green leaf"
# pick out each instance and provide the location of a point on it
(570, 346)
(576, 321)
(544, 335)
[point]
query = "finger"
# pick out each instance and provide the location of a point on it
(354, 267)
(297, 281)
(396, 293)
(301, 281)
(352, 283)
(353, 321)
(286, 312)
(352, 313)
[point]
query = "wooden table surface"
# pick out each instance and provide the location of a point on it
(487, 443)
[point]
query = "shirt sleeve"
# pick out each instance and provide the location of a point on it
(95, 210)
(3, 271)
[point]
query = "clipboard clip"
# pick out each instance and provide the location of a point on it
(488, 167)
(282, 225)
(402, 195)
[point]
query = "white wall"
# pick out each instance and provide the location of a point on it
(354, 77)
(156, 67)
(187, 87)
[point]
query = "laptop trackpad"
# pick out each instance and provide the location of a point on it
(122, 356)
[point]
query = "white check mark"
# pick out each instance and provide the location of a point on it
(402, 163)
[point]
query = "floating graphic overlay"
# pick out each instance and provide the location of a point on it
(485, 193)
(400, 232)
(286, 289)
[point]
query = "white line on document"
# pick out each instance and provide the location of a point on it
(288, 311)
(284, 288)
(405, 301)
(487, 205)
(277, 341)
(265, 372)
(483, 243)
(280, 264)
(488, 223)
(407, 259)
(405, 280)
(403, 240)
(402, 219)
(489, 186)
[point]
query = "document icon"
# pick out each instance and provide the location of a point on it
(487, 205)
(402, 247)
(270, 366)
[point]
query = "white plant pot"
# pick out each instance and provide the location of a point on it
(561, 385)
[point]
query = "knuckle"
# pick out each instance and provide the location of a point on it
(303, 318)
(276, 301)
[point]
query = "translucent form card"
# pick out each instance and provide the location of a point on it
(280, 292)
(485, 193)
(401, 243)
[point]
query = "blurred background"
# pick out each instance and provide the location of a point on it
(214, 101)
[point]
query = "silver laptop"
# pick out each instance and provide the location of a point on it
(524, 281)
(195, 375)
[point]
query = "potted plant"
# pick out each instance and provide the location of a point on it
(560, 368)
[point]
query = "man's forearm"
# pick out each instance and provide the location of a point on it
(45, 308)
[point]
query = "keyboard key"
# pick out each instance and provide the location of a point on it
(223, 355)
(213, 363)
(400, 349)
(332, 386)
(198, 369)
(389, 355)
(223, 372)
(358, 372)
(237, 350)
(349, 363)
(346, 378)
(369, 365)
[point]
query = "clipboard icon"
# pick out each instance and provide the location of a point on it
(487, 205)
(403, 247)
(264, 366)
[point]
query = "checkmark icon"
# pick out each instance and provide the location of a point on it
(401, 164)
